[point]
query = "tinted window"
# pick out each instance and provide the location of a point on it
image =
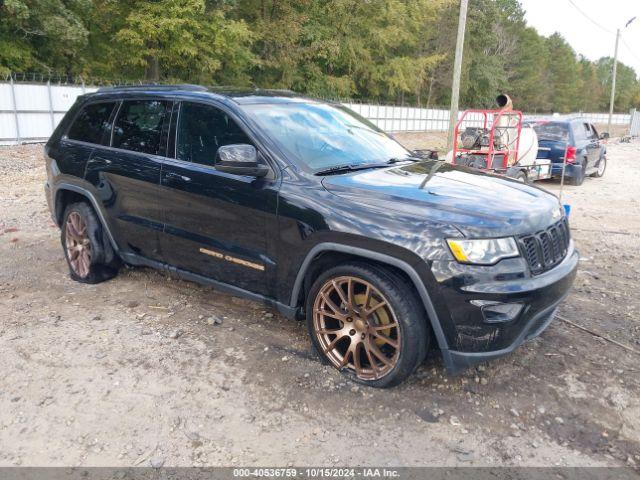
(92, 123)
(201, 130)
(139, 125)
(554, 131)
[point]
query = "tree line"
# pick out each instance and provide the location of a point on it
(397, 51)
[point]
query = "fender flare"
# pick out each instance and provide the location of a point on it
(94, 203)
(382, 258)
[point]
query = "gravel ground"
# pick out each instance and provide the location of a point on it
(150, 370)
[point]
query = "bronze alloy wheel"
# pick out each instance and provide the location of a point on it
(356, 327)
(77, 244)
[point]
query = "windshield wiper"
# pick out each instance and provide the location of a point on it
(434, 169)
(350, 167)
(391, 161)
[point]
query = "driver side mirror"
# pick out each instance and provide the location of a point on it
(604, 135)
(240, 159)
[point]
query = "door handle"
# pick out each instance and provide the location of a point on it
(176, 176)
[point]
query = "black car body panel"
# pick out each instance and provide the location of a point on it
(452, 195)
(260, 237)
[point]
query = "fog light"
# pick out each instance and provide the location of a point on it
(496, 312)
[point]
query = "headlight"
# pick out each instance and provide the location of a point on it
(483, 252)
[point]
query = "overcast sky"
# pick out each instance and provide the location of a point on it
(586, 38)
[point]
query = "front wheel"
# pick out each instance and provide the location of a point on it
(602, 166)
(367, 322)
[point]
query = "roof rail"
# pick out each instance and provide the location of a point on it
(231, 88)
(153, 86)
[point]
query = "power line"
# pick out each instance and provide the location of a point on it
(590, 19)
(635, 55)
(631, 51)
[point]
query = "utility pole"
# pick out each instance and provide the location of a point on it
(613, 75)
(613, 81)
(457, 68)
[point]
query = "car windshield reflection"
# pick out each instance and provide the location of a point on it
(322, 136)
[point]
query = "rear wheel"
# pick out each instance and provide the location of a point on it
(602, 166)
(521, 176)
(89, 256)
(367, 322)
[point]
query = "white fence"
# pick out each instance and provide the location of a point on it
(393, 118)
(29, 112)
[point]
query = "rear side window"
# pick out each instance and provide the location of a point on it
(92, 124)
(579, 131)
(139, 125)
(202, 129)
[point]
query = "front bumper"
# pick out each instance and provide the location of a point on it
(459, 361)
(471, 337)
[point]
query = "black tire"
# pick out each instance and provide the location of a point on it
(577, 180)
(521, 176)
(104, 263)
(413, 333)
(602, 166)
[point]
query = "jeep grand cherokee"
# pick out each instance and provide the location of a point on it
(308, 207)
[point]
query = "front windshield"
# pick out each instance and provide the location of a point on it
(323, 136)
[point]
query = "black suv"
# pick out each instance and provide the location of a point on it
(308, 207)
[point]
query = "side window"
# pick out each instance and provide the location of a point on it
(139, 125)
(579, 132)
(587, 130)
(201, 130)
(92, 124)
(594, 132)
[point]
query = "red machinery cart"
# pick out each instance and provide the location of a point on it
(494, 145)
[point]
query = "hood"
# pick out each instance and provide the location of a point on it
(477, 204)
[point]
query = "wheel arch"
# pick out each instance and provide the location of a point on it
(67, 193)
(348, 252)
(63, 198)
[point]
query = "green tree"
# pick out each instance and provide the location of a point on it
(42, 35)
(343, 47)
(627, 85)
(381, 50)
(527, 67)
(175, 39)
(561, 74)
(492, 41)
(591, 89)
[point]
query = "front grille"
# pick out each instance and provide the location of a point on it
(546, 249)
